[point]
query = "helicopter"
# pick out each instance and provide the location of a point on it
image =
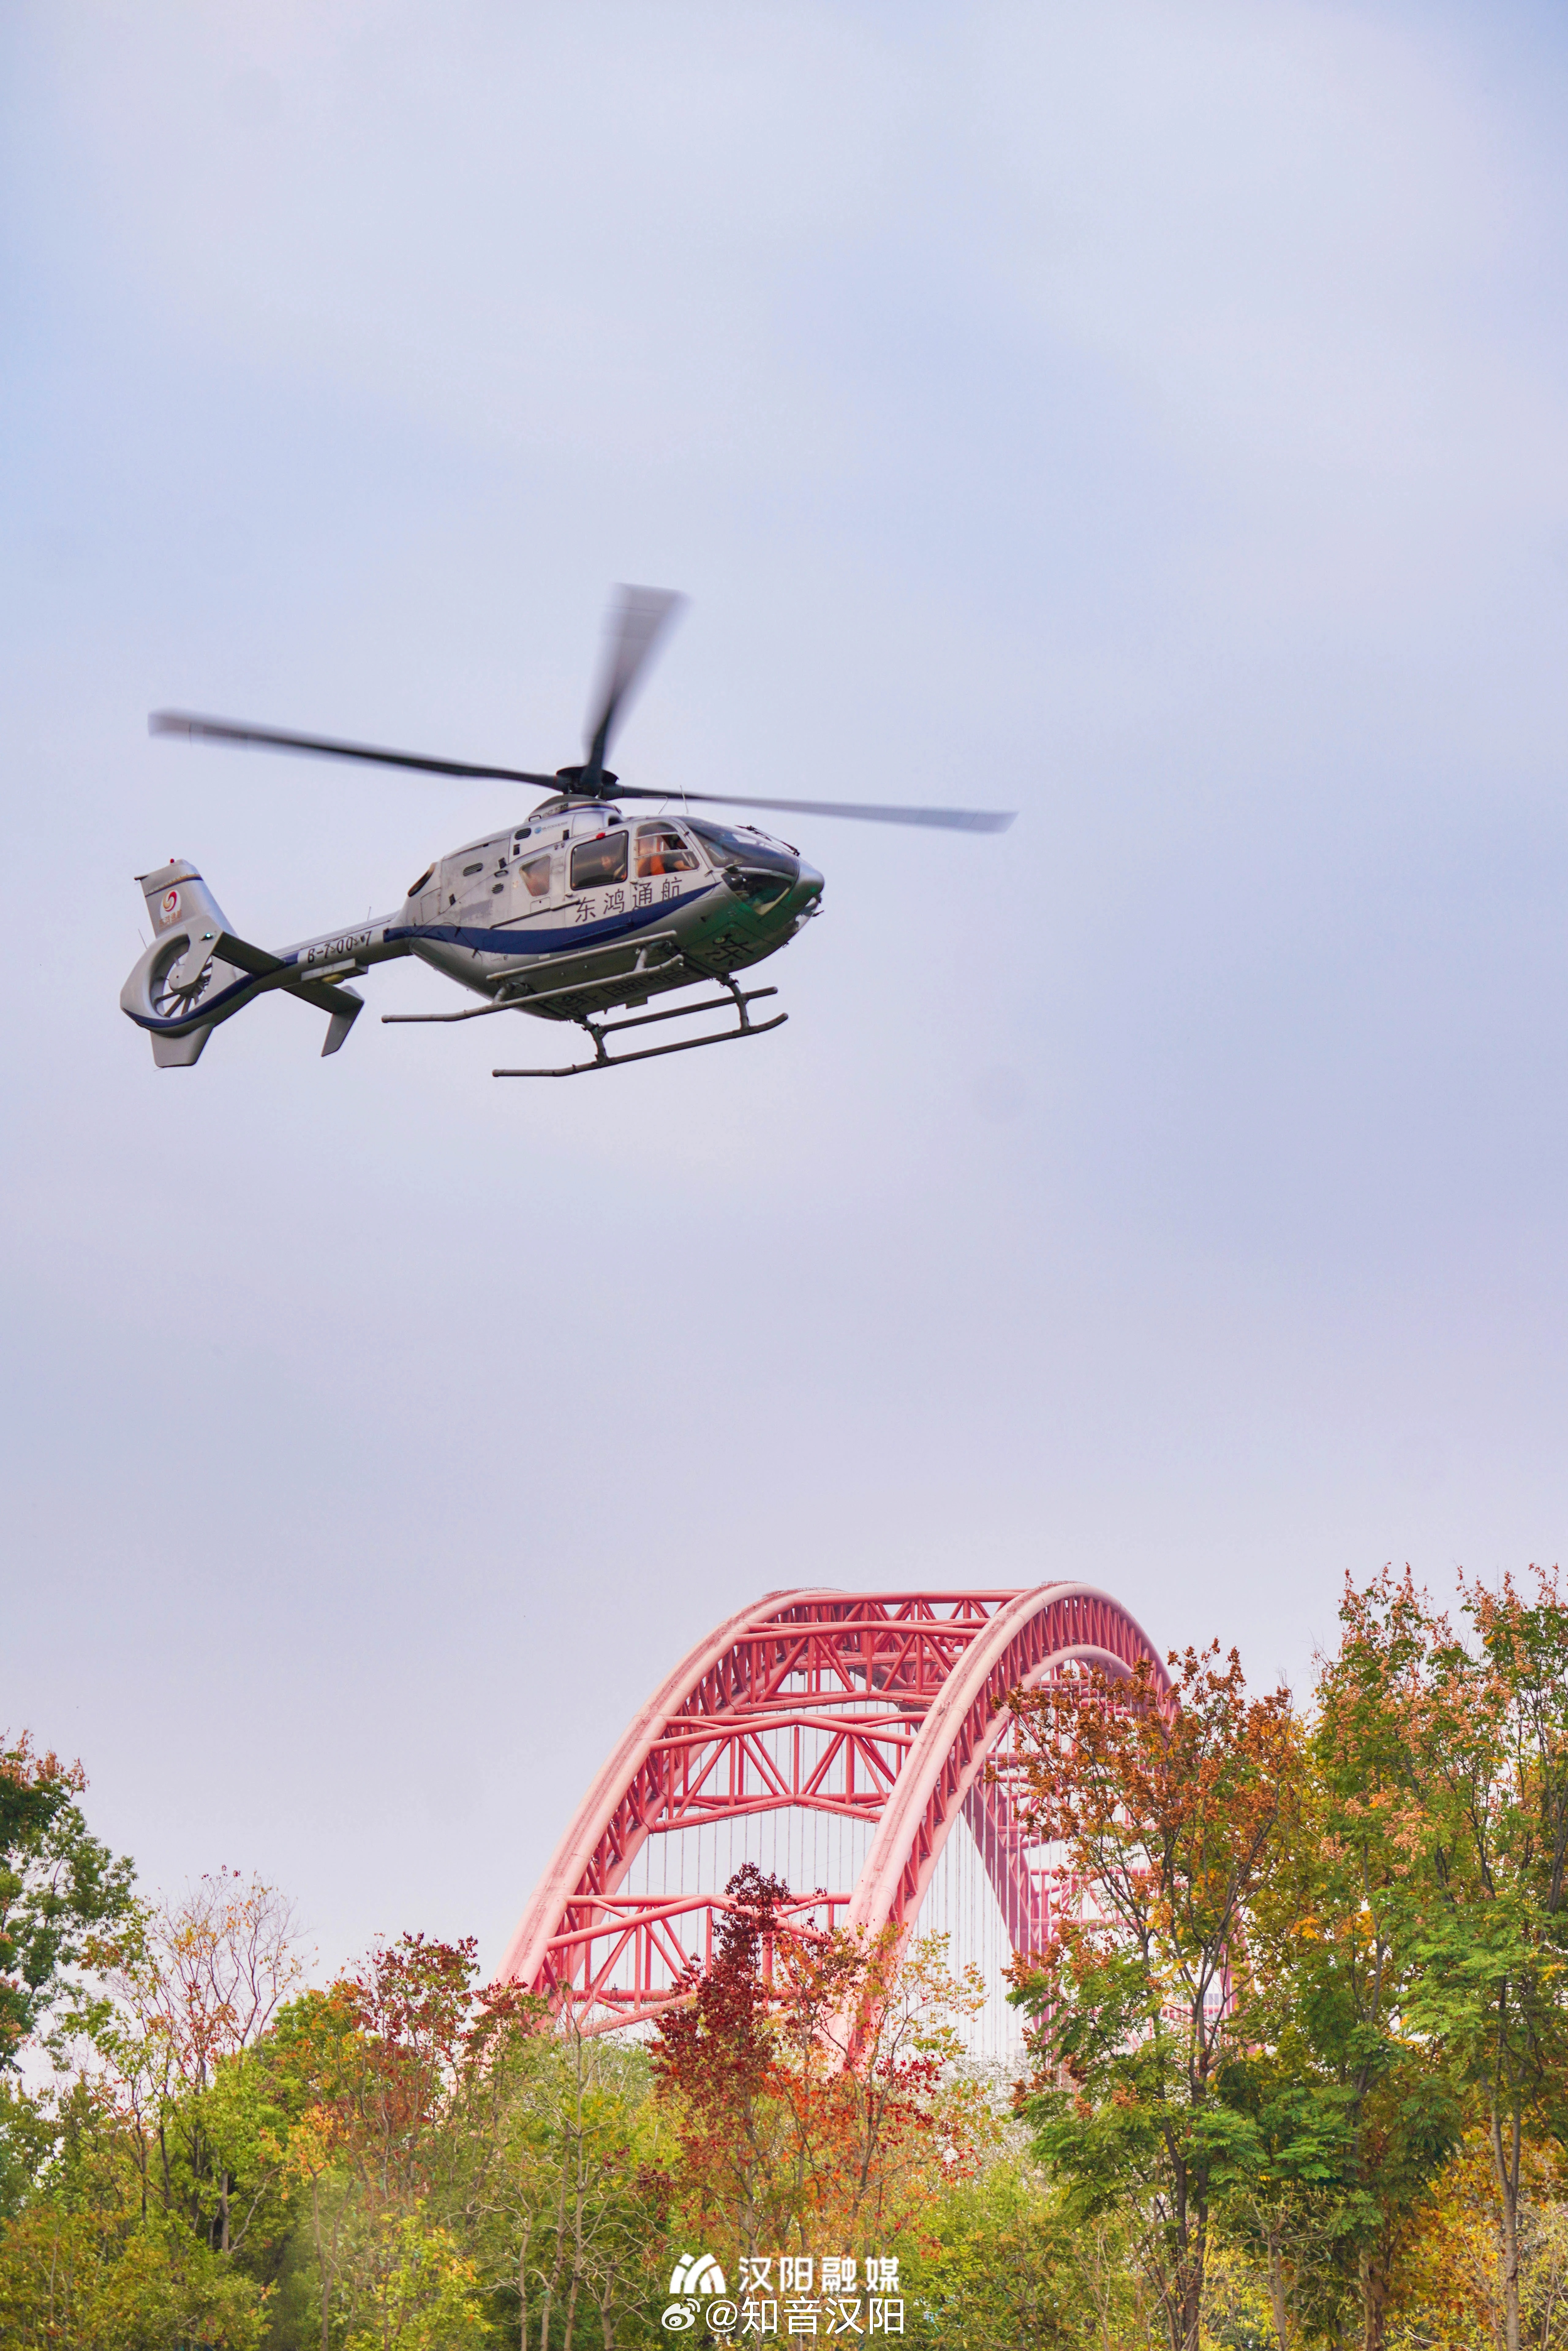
(576, 911)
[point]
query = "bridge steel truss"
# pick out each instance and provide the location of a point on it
(875, 1707)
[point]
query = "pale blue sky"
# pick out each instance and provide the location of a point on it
(1153, 417)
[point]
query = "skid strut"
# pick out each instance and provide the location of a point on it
(598, 1030)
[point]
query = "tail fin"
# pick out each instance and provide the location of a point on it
(197, 973)
(177, 897)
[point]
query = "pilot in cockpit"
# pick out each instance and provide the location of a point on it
(661, 849)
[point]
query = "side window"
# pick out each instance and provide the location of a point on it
(593, 861)
(661, 849)
(535, 873)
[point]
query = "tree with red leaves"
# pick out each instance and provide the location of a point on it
(717, 2051)
(811, 2079)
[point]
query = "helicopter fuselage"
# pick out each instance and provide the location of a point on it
(579, 908)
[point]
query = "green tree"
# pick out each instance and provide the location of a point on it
(196, 1985)
(90, 2279)
(1170, 1813)
(1004, 2268)
(567, 2193)
(60, 1891)
(427, 2297)
(1364, 2110)
(1289, 2212)
(83, 2268)
(1488, 1760)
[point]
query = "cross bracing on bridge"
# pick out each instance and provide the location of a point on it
(851, 1743)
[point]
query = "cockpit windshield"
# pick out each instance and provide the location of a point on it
(727, 845)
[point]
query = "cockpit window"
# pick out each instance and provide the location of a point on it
(661, 849)
(723, 846)
(593, 861)
(726, 846)
(535, 873)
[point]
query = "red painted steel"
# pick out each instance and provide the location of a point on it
(879, 1708)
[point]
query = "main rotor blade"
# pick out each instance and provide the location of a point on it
(636, 623)
(236, 732)
(870, 812)
(325, 747)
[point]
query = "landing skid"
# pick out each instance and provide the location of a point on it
(738, 997)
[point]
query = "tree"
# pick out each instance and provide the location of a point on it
(197, 1984)
(1448, 2285)
(814, 2084)
(1374, 2105)
(96, 2278)
(716, 2052)
(84, 2263)
(566, 2193)
(60, 1887)
(1289, 2212)
(1003, 2270)
(427, 2298)
(1170, 1813)
(375, 2058)
(1488, 1760)
(456, 2139)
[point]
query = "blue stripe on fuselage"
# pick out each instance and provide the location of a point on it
(542, 943)
(539, 942)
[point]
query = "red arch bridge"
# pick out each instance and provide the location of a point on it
(841, 1740)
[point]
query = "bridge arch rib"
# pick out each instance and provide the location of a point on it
(873, 1711)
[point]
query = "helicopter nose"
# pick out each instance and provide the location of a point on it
(808, 881)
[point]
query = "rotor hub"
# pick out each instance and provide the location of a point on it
(570, 781)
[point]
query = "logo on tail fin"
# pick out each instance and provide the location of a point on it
(169, 907)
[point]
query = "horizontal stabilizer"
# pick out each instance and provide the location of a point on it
(244, 957)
